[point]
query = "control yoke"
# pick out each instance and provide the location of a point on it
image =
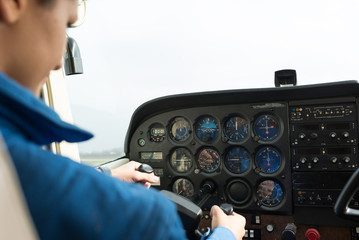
(341, 207)
(191, 214)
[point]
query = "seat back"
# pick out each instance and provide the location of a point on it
(15, 220)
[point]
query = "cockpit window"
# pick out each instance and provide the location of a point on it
(134, 51)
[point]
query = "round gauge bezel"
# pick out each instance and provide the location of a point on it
(198, 125)
(229, 169)
(227, 138)
(265, 205)
(184, 179)
(260, 170)
(259, 138)
(247, 199)
(170, 130)
(203, 169)
(190, 169)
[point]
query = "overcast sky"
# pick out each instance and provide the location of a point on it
(137, 50)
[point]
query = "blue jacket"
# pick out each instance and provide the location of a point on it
(68, 200)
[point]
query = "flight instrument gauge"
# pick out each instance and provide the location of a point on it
(181, 160)
(269, 193)
(207, 129)
(180, 129)
(183, 187)
(268, 159)
(236, 129)
(237, 160)
(209, 160)
(266, 127)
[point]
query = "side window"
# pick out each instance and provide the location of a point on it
(134, 51)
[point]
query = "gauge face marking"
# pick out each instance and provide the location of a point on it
(180, 129)
(183, 187)
(236, 129)
(207, 129)
(268, 159)
(269, 193)
(266, 127)
(237, 160)
(181, 160)
(209, 160)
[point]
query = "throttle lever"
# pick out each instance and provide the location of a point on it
(204, 193)
(145, 168)
(227, 208)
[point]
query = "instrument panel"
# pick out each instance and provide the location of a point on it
(242, 149)
(266, 151)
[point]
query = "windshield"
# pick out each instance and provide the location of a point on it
(134, 51)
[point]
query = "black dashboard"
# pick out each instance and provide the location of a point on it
(285, 151)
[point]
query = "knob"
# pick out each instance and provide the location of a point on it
(289, 232)
(312, 234)
(345, 134)
(301, 135)
(145, 168)
(315, 159)
(318, 198)
(332, 134)
(303, 159)
(314, 135)
(346, 159)
(333, 159)
(301, 199)
(270, 228)
(227, 208)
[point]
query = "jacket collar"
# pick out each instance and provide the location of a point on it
(33, 117)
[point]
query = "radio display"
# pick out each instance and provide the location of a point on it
(338, 150)
(309, 127)
(304, 151)
(151, 155)
(335, 126)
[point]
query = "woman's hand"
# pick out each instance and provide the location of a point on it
(129, 173)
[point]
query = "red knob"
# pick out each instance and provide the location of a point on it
(312, 234)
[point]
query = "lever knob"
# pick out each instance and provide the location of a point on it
(289, 232)
(227, 208)
(145, 168)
